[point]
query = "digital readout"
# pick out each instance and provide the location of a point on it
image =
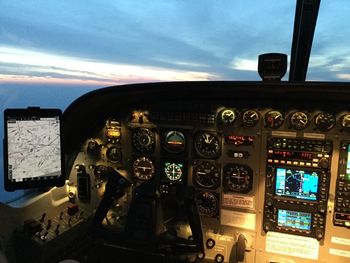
(291, 155)
(294, 219)
(239, 140)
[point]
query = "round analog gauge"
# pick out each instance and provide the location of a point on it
(206, 175)
(250, 118)
(143, 168)
(114, 154)
(208, 203)
(274, 119)
(238, 178)
(174, 142)
(345, 122)
(143, 140)
(207, 145)
(299, 120)
(173, 171)
(227, 116)
(325, 121)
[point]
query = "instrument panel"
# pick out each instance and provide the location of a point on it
(266, 169)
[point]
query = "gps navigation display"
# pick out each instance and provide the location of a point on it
(294, 219)
(33, 144)
(297, 183)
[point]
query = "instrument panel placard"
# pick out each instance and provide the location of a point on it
(291, 245)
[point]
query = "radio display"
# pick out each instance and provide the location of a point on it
(296, 183)
(347, 176)
(291, 155)
(294, 219)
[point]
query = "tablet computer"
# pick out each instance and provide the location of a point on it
(33, 153)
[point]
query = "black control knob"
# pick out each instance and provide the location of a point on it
(267, 226)
(322, 209)
(269, 201)
(323, 163)
(219, 258)
(201, 256)
(210, 243)
(319, 234)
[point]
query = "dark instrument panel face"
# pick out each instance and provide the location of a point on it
(274, 168)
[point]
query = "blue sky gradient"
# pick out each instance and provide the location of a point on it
(51, 52)
(142, 41)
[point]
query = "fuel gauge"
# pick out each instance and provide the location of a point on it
(227, 116)
(299, 120)
(345, 122)
(250, 118)
(274, 119)
(325, 121)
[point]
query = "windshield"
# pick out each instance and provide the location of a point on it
(51, 52)
(330, 54)
(115, 42)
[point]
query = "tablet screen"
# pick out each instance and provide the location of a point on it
(33, 143)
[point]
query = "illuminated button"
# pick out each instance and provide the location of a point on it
(326, 155)
(308, 164)
(276, 161)
(289, 162)
(283, 161)
(269, 160)
(270, 151)
(302, 163)
(319, 155)
(315, 160)
(295, 163)
(315, 165)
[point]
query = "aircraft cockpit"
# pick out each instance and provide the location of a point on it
(185, 171)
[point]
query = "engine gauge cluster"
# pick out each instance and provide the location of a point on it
(250, 118)
(227, 116)
(274, 119)
(325, 121)
(345, 122)
(299, 120)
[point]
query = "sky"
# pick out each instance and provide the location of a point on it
(51, 52)
(109, 42)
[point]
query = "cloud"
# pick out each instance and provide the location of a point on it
(345, 77)
(23, 65)
(222, 40)
(244, 64)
